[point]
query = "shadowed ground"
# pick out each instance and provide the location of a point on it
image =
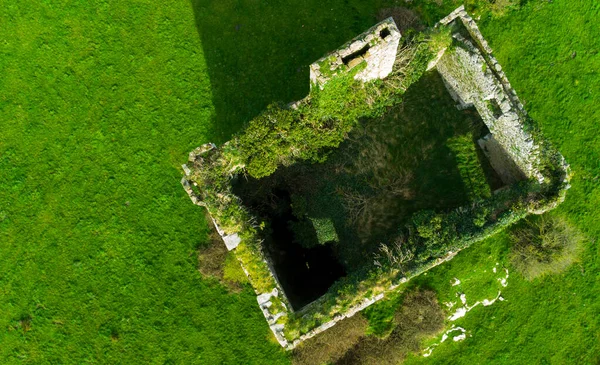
(258, 52)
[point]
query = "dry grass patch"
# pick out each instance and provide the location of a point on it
(419, 316)
(331, 345)
(545, 245)
(216, 262)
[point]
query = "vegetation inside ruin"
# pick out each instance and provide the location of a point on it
(421, 154)
(100, 104)
(274, 218)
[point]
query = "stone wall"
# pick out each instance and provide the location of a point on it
(366, 302)
(377, 47)
(474, 78)
(506, 168)
(232, 240)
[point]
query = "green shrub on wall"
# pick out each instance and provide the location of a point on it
(325, 230)
(279, 135)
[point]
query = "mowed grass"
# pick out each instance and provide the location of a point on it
(99, 104)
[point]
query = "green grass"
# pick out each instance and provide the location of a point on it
(100, 103)
(471, 170)
(554, 320)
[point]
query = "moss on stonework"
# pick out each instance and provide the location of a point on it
(473, 176)
(325, 230)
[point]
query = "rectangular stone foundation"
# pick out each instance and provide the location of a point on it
(475, 80)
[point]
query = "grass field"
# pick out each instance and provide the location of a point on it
(100, 103)
(550, 52)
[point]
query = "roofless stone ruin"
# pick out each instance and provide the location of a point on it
(403, 153)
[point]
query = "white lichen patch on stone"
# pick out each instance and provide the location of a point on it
(459, 337)
(377, 47)
(449, 304)
(462, 311)
(459, 313)
(504, 281)
(427, 352)
(488, 302)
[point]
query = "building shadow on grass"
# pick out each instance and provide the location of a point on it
(258, 52)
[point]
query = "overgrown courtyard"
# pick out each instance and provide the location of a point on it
(327, 219)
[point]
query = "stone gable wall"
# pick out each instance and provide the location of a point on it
(377, 47)
(474, 78)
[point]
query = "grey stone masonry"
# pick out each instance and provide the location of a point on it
(377, 47)
(231, 240)
(474, 78)
(506, 168)
(366, 302)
